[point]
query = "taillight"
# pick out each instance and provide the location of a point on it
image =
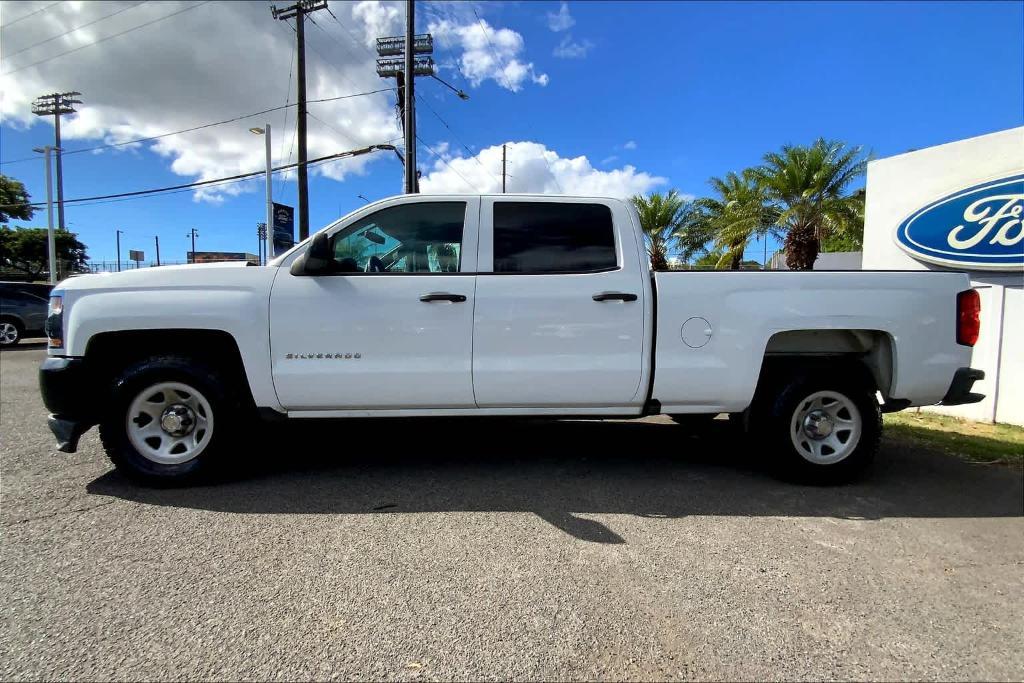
(968, 317)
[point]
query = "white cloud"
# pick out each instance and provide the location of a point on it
(203, 65)
(561, 20)
(488, 53)
(532, 167)
(572, 49)
(609, 159)
(631, 144)
(219, 60)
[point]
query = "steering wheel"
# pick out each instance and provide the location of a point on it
(374, 265)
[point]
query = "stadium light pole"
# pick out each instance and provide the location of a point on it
(56, 105)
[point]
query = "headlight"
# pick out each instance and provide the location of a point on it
(55, 322)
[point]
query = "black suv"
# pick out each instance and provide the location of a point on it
(23, 308)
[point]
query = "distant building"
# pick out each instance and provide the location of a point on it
(220, 256)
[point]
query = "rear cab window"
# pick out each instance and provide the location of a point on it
(550, 237)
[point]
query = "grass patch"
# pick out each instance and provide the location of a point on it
(974, 441)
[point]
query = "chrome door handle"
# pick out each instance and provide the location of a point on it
(443, 296)
(614, 296)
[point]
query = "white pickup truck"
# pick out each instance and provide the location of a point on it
(497, 305)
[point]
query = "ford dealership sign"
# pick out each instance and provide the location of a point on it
(978, 228)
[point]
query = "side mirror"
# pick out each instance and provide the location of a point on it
(317, 260)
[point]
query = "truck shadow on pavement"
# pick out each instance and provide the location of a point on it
(561, 470)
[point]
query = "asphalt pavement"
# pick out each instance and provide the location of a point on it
(447, 549)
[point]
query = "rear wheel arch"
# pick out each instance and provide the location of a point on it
(868, 354)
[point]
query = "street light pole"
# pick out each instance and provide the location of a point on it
(157, 238)
(265, 131)
(51, 245)
(119, 250)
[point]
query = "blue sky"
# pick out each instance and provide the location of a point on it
(677, 91)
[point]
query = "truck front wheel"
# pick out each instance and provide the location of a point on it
(823, 430)
(169, 420)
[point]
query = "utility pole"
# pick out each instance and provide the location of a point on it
(119, 250)
(193, 233)
(410, 102)
(157, 238)
(55, 105)
(298, 11)
(503, 158)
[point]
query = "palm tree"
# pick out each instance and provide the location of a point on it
(809, 185)
(660, 219)
(740, 213)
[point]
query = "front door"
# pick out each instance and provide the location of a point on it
(560, 322)
(392, 326)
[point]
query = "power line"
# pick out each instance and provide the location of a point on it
(94, 21)
(493, 51)
(553, 176)
(200, 127)
(30, 14)
(352, 35)
(317, 118)
(215, 181)
(335, 39)
(101, 40)
(473, 156)
(470, 185)
(287, 100)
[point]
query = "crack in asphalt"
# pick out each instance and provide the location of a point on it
(59, 513)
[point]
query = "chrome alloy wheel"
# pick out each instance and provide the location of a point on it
(169, 423)
(8, 333)
(825, 427)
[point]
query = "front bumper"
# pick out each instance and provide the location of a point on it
(69, 394)
(960, 390)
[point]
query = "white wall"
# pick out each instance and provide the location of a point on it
(896, 187)
(827, 260)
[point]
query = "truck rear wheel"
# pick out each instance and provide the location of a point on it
(823, 430)
(169, 420)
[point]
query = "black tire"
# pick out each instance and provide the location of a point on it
(776, 417)
(10, 326)
(141, 375)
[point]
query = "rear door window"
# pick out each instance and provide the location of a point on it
(549, 237)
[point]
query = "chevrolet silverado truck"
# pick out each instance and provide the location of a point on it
(503, 305)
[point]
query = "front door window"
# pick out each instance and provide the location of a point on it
(408, 238)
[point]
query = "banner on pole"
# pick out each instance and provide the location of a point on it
(284, 228)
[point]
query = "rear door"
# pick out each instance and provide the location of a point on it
(559, 319)
(392, 326)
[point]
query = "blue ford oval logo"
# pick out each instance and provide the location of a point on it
(978, 227)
